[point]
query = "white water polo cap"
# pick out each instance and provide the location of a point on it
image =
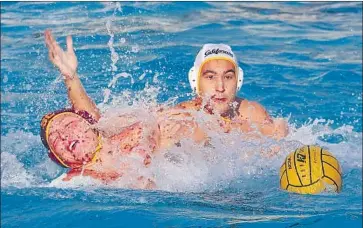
(211, 52)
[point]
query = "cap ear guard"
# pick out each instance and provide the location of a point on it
(240, 78)
(193, 77)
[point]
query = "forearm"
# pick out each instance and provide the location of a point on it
(78, 97)
(66, 62)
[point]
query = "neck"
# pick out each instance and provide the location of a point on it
(230, 113)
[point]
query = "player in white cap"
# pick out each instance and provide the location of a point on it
(216, 78)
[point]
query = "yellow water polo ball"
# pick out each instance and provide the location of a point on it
(310, 170)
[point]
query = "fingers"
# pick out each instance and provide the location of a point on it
(57, 49)
(51, 56)
(49, 45)
(52, 43)
(70, 44)
(47, 39)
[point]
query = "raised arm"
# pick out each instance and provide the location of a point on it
(66, 62)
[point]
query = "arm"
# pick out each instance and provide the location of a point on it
(257, 115)
(66, 62)
(178, 123)
(79, 98)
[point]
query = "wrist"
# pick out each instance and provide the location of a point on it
(70, 76)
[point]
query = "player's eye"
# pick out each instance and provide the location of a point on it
(209, 76)
(229, 76)
(72, 145)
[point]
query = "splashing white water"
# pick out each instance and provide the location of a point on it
(13, 172)
(189, 167)
(114, 56)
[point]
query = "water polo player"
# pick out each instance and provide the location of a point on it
(216, 78)
(74, 143)
(172, 129)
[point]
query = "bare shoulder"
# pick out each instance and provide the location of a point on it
(254, 111)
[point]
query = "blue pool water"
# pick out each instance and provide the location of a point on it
(302, 61)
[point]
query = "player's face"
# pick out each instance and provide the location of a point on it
(218, 84)
(72, 138)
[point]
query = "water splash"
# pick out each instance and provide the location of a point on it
(194, 167)
(181, 168)
(13, 172)
(190, 167)
(114, 56)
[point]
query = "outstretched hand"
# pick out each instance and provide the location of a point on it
(65, 60)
